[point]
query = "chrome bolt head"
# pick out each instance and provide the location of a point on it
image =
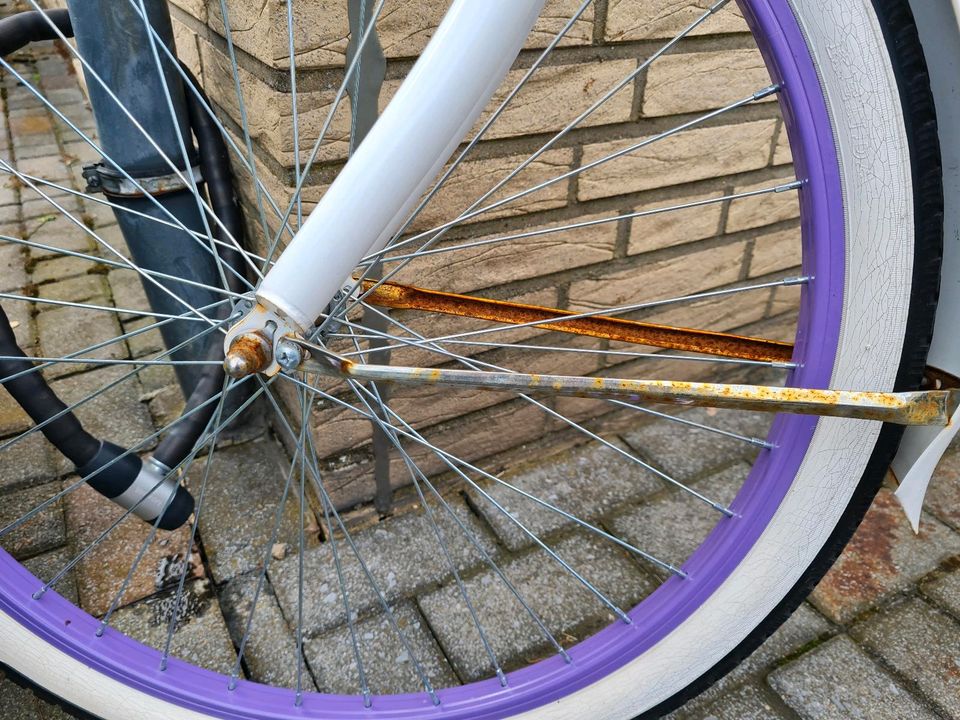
(288, 355)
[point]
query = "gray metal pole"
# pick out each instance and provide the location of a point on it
(111, 36)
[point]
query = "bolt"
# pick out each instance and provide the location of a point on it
(288, 355)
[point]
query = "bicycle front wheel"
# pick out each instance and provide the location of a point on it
(854, 100)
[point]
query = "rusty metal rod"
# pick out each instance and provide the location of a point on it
(933, 407)
(407, 297)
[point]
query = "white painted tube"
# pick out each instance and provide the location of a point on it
(436, 106)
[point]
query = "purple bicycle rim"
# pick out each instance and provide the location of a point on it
(811, 139)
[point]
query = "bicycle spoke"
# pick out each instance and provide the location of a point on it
(70, 408)
(388, 612)
(795, 185)
(754, 97)
(476, 364)
(259, 188)
(338, 98)
(214, 422)
(23, 81)
(178, 599)
(450, 460)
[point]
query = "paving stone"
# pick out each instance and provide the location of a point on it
(143, 344)
(946, 592)
(13, 419)
(13, 273)
(587, 482)
(883, 557)
(686, 453)
(750, 702)
(567, 608)
(58, 268)
(46, 566)
(127, 291)
(60, 233)
(66, 330)
(90, 289)
(30, 461)
(802, 628)
(201, 637)
(270, 653)
(401, 553)
(35, 205)
(20, 315)
(922, 645)
(43, 532)
(387, 663)
(116, 415)
(240, 505)
(673, 525)
(102, 569)
(838, 680)
(943, 495)
(48, 167)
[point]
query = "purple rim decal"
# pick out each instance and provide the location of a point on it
(782, 43)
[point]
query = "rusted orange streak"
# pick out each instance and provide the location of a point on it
(406, 297)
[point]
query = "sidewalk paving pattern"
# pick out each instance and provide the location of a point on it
(879, 637)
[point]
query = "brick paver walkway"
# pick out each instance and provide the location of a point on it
(879, 638)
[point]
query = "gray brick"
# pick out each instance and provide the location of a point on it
(128, 291)
(61, 233)
(673, 525)
(58, 268)
(46, 566)
(945, 591)
(567, 608)
(838, 680)
(587, 482)
(117, 415)
(270, 653)
(66, 330)
(802, 628)
(401, 553)
(387, 664)
(201, 637)
(43, 532)
(921, 644)
(143, 344)
(31, 461)
(750, 702)
(237, 518)
(883, 557)
(90, 289)
(686, 453)
(943, 497)
(13, 274)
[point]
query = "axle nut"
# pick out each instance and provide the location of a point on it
(250, 353)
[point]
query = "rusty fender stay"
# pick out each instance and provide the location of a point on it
(933, 407)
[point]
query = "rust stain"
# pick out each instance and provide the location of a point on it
(253, 351)
(407, 297)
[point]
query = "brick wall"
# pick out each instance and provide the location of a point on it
(677, 253)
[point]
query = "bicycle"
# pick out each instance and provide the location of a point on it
(284, 328)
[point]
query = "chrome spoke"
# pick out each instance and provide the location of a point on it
(183, 468)
(92, 396)
(388, 612)
(795, 185)
(338, 98)
(188, 554)
(749, 99)
(477, 364)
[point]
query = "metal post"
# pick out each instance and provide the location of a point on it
(111, 36)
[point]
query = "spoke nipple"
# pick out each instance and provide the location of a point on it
(503, 678)
(39, 593)
(99, 632)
